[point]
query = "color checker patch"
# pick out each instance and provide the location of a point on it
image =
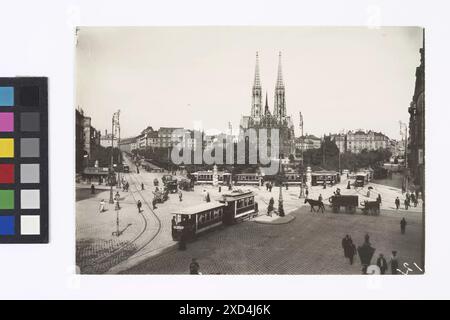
(6, 122)
(7, 173)
(6, 148)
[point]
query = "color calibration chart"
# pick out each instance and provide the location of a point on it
(23, 160)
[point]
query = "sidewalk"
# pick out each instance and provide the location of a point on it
(94, 239)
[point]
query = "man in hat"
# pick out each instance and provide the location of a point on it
(394, 262)
(382, 263)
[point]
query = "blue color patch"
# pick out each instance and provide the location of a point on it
(6, 225)
(6, 96)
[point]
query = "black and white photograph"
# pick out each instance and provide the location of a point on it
(250, 150)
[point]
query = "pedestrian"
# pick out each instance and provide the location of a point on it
(307, 192)
(382, 264)
(220, 188)
(204, 195)
(270, 187)
(139, 205)
(368, 193)
(180, 195)
(406, 204)
(379, 198)
(270, 207)
(174, 223)
(320, 198)
(344, 243)
(142, 186)
(351, 250)
(286, 186)
(414, 199)
(324, 184)
(102, 205)
(407, 196)
(403, 225)
(397, 203)
(348, 185)
(194, 267)
(208, 199)
(117, 196)
(92, 189)
(394, 263)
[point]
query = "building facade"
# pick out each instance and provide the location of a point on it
(359, 140)
(262, 118)
(416, 141)
(87, 139)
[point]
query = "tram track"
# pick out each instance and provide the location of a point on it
(129, 249)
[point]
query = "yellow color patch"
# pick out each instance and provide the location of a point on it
(7, 148)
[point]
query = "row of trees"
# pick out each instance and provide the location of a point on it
(326, 157)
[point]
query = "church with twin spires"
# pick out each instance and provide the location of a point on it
(262, 118)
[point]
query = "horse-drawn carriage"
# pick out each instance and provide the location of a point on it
(186, 184)
(348, 202)
(371, 207)
(160, 196)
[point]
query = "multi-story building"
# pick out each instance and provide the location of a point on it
(168, 136)
(307, 142)
(127, 145)
(87, 139)
(416, 141)
(263, 119)
(356, 141)
(107, 140)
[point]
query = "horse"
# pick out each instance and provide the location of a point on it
(314, 203)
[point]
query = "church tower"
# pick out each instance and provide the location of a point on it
(279, 102)
(256, 93)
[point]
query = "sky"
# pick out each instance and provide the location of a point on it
(340, 78)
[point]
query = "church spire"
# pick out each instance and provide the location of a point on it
(257, 82)
(256, 92)
(266, 108)
(280, 82)
(279, 101)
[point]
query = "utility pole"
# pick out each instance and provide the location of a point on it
(302, 163)
(112, 174)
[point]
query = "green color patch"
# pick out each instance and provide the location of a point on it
(6, 199)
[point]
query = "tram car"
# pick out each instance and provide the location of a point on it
(247, 179)
(293, 178)
(329, 177)
(206, 177)
(361, 179)
(189, 222)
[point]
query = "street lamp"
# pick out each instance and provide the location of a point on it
(114, 122)
(302, 194)
(280, 199)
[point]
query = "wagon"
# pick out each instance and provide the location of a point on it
(160, 197)
(371, 207)
(348, 202)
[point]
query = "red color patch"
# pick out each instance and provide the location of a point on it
(6, 173)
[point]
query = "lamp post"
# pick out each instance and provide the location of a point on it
(111, 173)
(302, 163)
(280, 199)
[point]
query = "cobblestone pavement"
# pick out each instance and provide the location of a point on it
(98, 251)
(310, 244)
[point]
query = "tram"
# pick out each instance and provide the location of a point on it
(247, 178)
(232, 208)
(329, 177)
(206, 177)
